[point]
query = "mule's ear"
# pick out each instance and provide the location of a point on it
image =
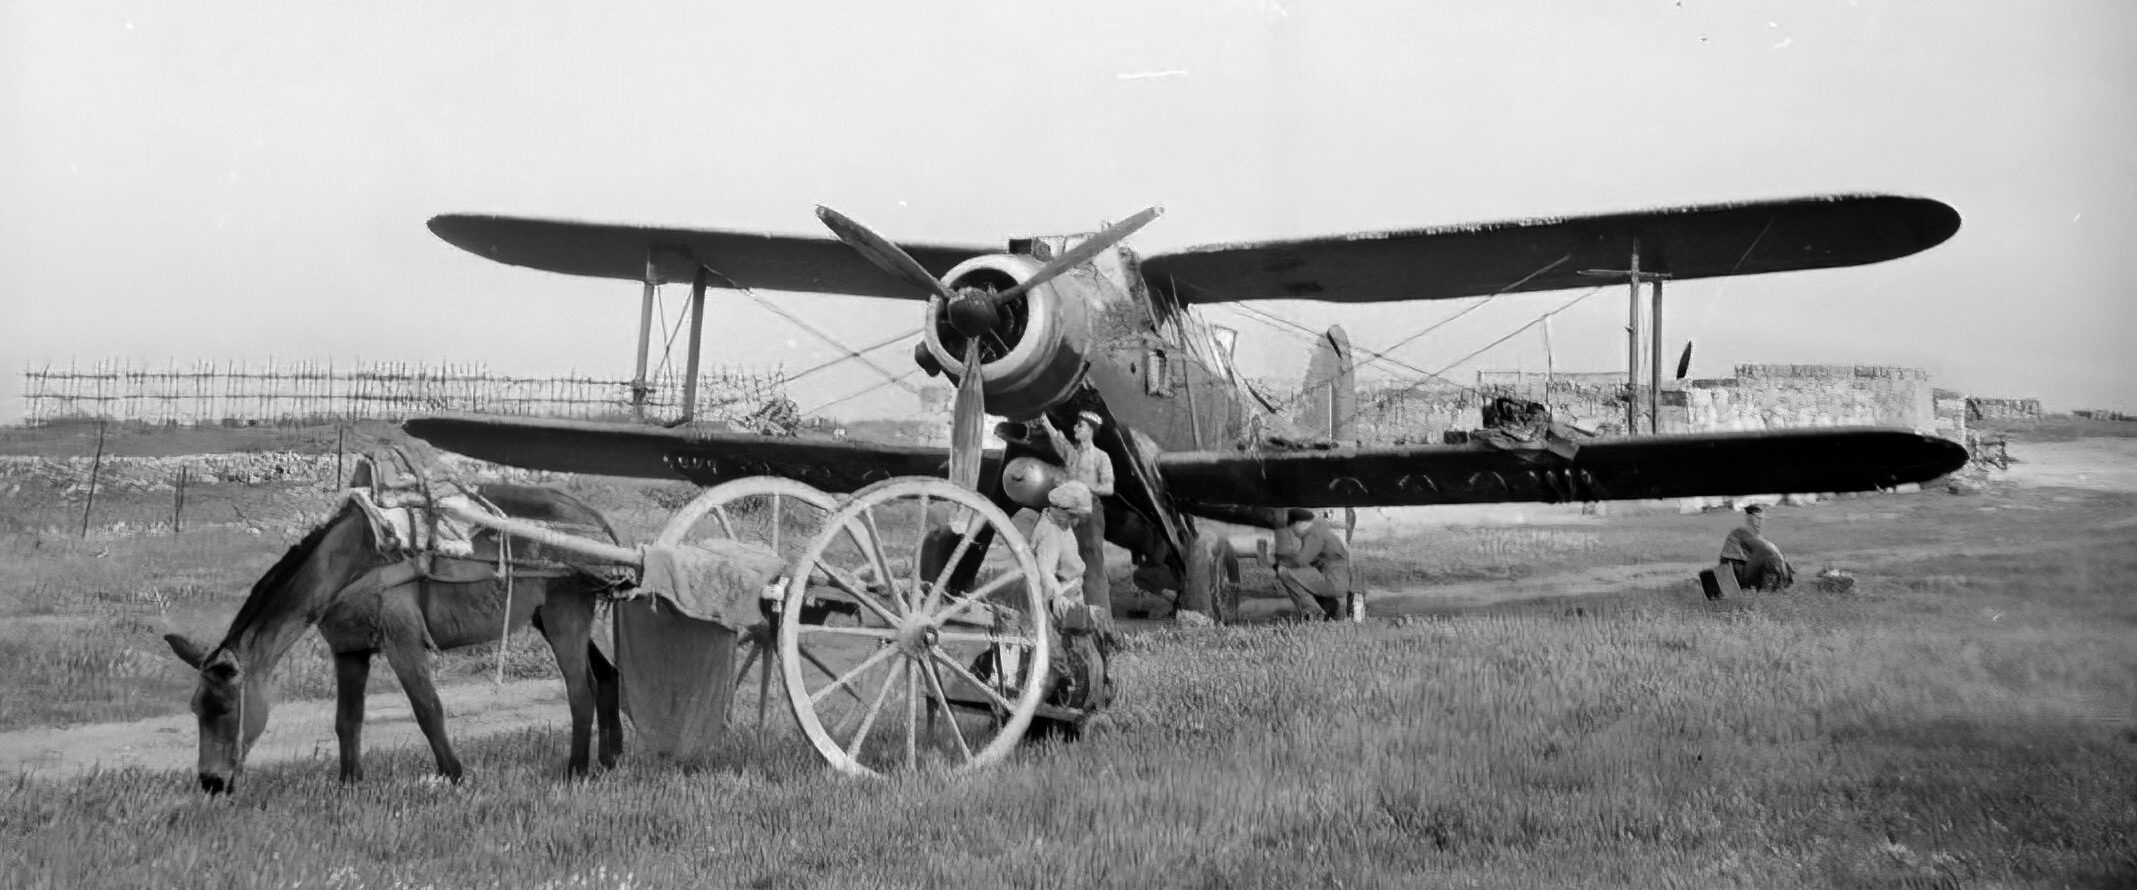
(190, 652)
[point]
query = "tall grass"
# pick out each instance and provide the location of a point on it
(1965, 723)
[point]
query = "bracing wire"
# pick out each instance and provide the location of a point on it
(667, 343)
(900, 380)
(818, 333)
(1386, 397)
(862, 351)
(1385, 354)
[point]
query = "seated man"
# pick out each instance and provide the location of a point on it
(1312, 565)
(1053, 541)
(1757, 563)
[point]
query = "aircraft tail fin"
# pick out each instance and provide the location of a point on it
(1328, 396)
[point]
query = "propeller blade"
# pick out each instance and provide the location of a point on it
(886, 256)
(967, 419)
(1082, 252)
(1684, 362)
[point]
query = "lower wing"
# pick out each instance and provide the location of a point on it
(1702, 464)
(706, 458)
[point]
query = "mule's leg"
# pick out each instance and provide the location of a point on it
(352, 672)
(412, 665)
(566, 619)
(607, 705)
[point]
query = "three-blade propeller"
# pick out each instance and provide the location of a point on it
(973, 312)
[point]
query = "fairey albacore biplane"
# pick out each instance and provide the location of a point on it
(1056, 325)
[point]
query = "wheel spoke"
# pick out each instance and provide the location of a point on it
(868, 720)
(882, 565)
(867, 551)
(912, 714)
(942, 699)
(748, 660)
(840, 681)
(776, 501)
(958, 636)
(977, 683)
(764, 688)
(726, 525)
(874, 633)
(965, 603)
(854, 588)
(957, 554)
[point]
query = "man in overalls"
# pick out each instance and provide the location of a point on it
(1313, 566)
(1092, 466)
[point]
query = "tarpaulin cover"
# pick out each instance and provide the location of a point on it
(714, 580)
(676, 646)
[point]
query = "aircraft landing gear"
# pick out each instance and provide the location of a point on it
(1211, 586)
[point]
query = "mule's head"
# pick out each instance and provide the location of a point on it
(232, 712)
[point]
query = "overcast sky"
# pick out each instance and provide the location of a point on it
(224, 180)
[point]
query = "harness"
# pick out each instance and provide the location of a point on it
(401, 497)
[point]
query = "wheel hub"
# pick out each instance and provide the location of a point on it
(918, 634)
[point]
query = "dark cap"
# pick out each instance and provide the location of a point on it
(1754, 510)
(1298, 514)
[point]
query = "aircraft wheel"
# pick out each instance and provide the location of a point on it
(1212, 585)
(777, 513)
(931, 675)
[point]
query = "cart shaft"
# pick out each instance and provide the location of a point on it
(542, 535)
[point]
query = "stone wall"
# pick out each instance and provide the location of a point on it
(1978, 408)
(1758, 397)
(1763, 397)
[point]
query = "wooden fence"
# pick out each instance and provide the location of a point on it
(293, 392)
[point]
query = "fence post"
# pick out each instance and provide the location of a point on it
(96, 466)
(178, 503)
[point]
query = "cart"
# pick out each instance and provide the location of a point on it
(904, 629)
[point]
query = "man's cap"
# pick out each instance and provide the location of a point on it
(1754, 510)
(1074, 497)
(1091, 416)
(1298, 514)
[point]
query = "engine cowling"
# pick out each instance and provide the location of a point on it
(1033, 357)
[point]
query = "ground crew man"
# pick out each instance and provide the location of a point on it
(1312, 565)
(1757, 562)
(1092, 466)
(1053, 541)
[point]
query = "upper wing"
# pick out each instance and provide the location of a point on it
(1712, 464)
(706, 458)
(744, 259)
(1549, 254)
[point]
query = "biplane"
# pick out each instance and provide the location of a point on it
(1060, 324)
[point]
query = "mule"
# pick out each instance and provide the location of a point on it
(366, 602)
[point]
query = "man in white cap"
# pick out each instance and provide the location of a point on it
(1092, 466)
(1053, 541)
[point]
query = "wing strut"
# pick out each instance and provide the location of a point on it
(639, 388)
(697, 343)
(1633, 278)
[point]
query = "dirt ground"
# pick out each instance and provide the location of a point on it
(304, 730)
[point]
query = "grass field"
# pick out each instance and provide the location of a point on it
(1964, 718)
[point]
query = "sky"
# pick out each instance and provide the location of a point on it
(242, 181)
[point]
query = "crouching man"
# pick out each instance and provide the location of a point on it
(1313, 566)
(1053, 541)
(1758, 564)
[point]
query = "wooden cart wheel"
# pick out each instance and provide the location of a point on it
(930, 675)
(778, 513)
